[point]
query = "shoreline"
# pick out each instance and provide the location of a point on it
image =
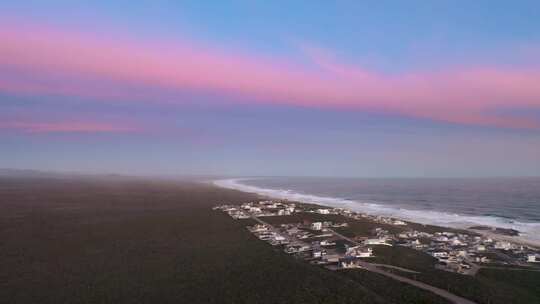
(234, 185)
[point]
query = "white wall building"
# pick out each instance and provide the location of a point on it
(316, 226)
(440, 254)
(323, 211)
(380, 241)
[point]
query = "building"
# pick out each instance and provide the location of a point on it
(316, 226)
(323, 211)
(441, 238)
(258, 228)
(360, 252)
(503, 245)
(332, 258)
(440, 254)
(531, 258)
(379, 241)
(318, 253)
(482, 259)
(456, 242)
(255, 209)
(349, 262)
(283, 212)
(327, 243)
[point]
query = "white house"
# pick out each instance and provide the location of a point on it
(531, 258)
(278, 237)
(456, 242)
(323, 211)
(503, 245)
(259, 228)
(380, 241)
(255, 209)
(364, 253)
(440, 254)
(317, 253)
(349, 262)
(482, 259)
(462, 253)
(316, 225)
(283, 212)
(327, 243)
(359, 252)
(331, 258)
(442, 238)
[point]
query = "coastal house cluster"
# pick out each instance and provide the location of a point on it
(460, 252)
(456, 252)
(258, 209)
(315, 241)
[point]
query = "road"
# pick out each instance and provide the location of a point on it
(373, 268)
(395, 267)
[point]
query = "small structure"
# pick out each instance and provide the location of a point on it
(323, 211)
(503, 245)
(360, 252)
(531, 258)
(258, 228)
(316, 226)
(379, 241)
(349, 262)
(318, 253)
(482, 259)
(327, 243)
(332, 258)
(440, 254)
(255, 209)
(283, 212)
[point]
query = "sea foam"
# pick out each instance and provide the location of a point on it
(529, 232)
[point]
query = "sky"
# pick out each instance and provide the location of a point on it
(271, 88)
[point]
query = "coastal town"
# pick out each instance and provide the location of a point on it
(323, 237)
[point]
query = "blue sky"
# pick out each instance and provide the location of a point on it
(463, 75)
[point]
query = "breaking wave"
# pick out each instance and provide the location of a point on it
(529, 232)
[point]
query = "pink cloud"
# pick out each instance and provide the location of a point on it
(464, 95)
(66, 127)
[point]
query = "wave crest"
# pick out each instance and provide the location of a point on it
(530, 232)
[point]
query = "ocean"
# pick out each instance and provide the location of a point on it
(451, 202)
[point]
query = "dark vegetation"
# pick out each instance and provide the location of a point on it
(396, 291)
(135, 241)
(402, 257)
(118, 240)
(486, 287)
